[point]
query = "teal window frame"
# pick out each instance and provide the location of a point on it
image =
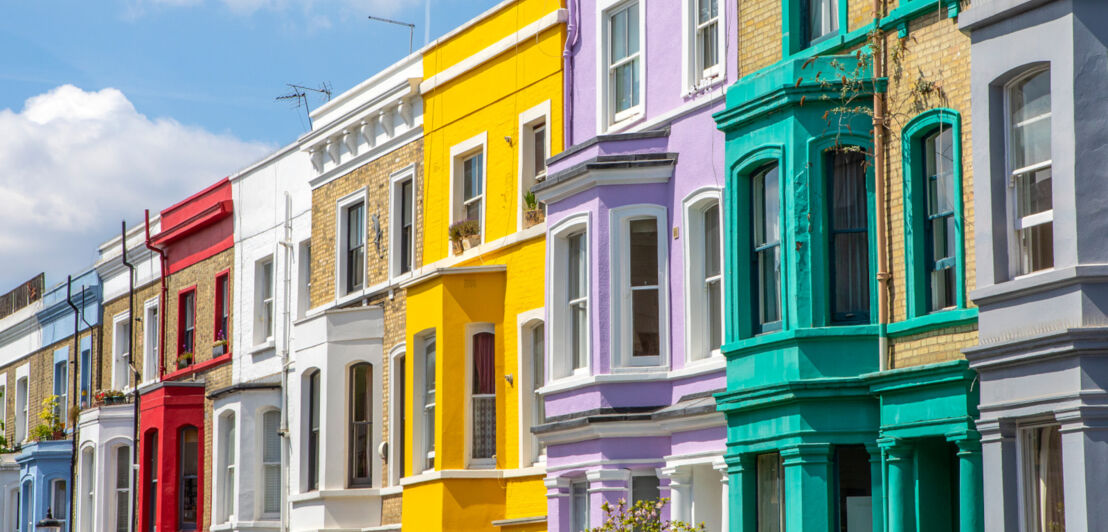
(820, 224)
(794, 23)
(740, 308)
(917, 271)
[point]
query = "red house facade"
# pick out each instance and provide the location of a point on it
(196, 245)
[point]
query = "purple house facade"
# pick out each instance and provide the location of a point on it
(634, 264)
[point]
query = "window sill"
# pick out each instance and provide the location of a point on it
(197, 367)
(770, 339)
(347, 493)
(1040, 281)
(929, 322)
(266, 346)
(713, 362)
(632, 116)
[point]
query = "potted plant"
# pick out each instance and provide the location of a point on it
(464, 235)
(219, 347)
(184, 360)
(110, 397)
(52, 427)
(533, 211)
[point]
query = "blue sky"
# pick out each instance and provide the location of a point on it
(110, 107)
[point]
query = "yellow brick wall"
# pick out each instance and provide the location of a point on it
(940, 345)
(375, 176)
(759, 34)
(102, 377)
(202, 276)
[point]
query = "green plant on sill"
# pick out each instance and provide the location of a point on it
(530, 201)
(643, 516)
(4, 449)
(51, 425)
(462, 229)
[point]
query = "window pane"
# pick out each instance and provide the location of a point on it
(313, 431)
(715, 315)
(626, 85)
(849, 237)
(644, 488)
(539, 148)
(1037, 247)
(577, 266)
(189, 487)
(823, 18)
(1043, 463)
(644, 252)
(471, 169)
(619, 35)
(361, 425)
(1030, 117)
(1034, 193)
(645, 339)
(711, 241)
(770, 491)
(852, 472)
(707, 10)
(538, 370)
(766, 202)
(579, 502)
(484, 398)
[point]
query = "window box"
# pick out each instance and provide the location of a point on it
(184, 360)
(219, 349)
(533, 217)
(465, 235)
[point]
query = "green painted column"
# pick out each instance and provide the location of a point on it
(970, 506)
(741, 494)
(876, 487)
(898, 459)
(807, 487)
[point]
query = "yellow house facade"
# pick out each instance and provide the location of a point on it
(492, 94)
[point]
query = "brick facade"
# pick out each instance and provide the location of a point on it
(102, 378)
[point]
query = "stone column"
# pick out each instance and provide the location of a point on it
(807, 487)
(970, 509)
(1085, 466)
(610, 486)
(1000, 474)
(741, 469)
(725, 497)
(680, 492)
(558, 513)
(898, 458)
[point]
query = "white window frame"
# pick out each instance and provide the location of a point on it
(472, 330)
(114, 479)
(426, 449)
(477, 144)
(1028, 509)
(86, 496)
(529, 454)
(262, 336)
(396, 466)
(696, 323)
(226, 472)
(61, 356)
(120, 360)
(22, 411)
(3, 404)
(396, 181)
(560, 364)
(262, 465)
(606, 118)
(304, 276)
(1017, 224)
(539, 114)
(620, 264)
(151, 343)
(694, 75)
(361, 195)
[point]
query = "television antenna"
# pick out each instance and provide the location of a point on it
(299, 96)
(411, 28)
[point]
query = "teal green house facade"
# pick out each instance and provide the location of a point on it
(821, 434)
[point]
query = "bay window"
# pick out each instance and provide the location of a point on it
(1043, 492)
(122, 489)
(569, 297)
(188, 491)
(312, 431)
(1030, 171)
(640, 282)
(271, 463)
(848, 221)
(765, 265)
(483, 397)
(770, 492)
(704, 260)
(227, 476)
(361, 425)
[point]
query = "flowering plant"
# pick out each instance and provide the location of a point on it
(221, 339)
(644, 516)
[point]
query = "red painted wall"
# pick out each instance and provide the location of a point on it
(166, 410)
(198, 227)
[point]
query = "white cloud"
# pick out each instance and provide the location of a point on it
(74, 163)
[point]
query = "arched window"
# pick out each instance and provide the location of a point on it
(483, 396)
(151, 488)
(765, 268)
(121, 489)
(848, 236)
(188, 491)
(227, 442)
(87, 494)
(312, 430)
(361, 425)
(271, 463)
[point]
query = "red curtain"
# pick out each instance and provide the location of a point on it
(483, 363)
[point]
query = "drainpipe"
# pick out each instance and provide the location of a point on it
(572, 32)
(134, 369)
(72, 406)
(161, 298)
(286, 244)
(879, 103)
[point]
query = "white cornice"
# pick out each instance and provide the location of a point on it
(634, 429)
(558, 16)
(369, 155)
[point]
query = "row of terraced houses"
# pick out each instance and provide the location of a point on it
(790, 265)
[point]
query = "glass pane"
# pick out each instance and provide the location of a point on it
(1046, 482)
(272, 500)
(851, 267)
(849, 237)
(715, 315)
(633, 29)
(619, 35)
(1034, 193)
(359, 400)
(627, 85)
(579, 333)
(823, 18)
(939, 169)
(1030, 117)
(709, 46)
(484, 427)
(429, 371)
(1037, 247)
(484, 363)
(645, 339)
(770, 491)
(706, 10)
(644, 488)
(360, 451)
(122, 467)
(769, 285)
(579, 501)
(61, 500)
(711, 241)
(942, 289)
(577, 287)
(471, 169)
(643, 238)
(539, 148)
(473, 210)
(538, 370)
(271, 439)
